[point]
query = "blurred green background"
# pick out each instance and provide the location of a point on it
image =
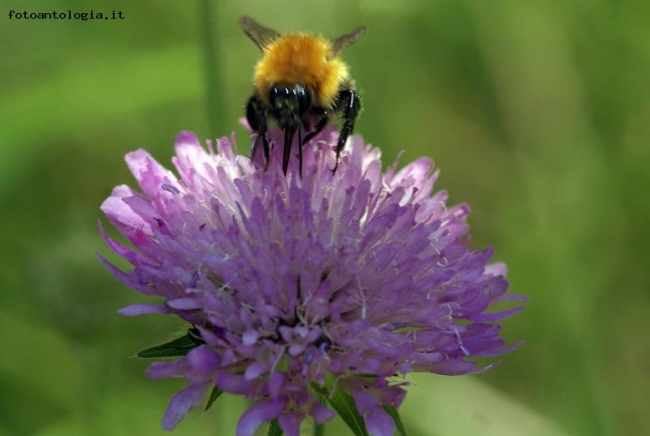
(538, 114)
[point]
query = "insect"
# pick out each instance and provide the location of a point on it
(300, 83)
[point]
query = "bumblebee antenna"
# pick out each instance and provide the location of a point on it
(260, 35)
(343, 41)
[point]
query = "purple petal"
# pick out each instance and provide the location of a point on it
(320, 413)
(233, 383)
(119, 249)
(250, 337)
(365, 401)
(121, 214)
(496, 269)
(453, 367)
(148, 172)
(499, 351)
(495, 316)
(255, 370)
(168, 369)
(511, 297)
(203, 359)
(185, 303)
(290, 423)
(261, 412)
(275, 384)
(189, 154)
(127, 279)
(139, 309)
(181, 403)
(379, 423)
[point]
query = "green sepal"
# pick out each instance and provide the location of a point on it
(344, 405)
(274, 429)
(399, 426)
(214, 394)
(174, 348)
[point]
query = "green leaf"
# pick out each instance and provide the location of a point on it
(345, 407)
(175, 348)
(396, 419)
(274, 429)
(216, 393)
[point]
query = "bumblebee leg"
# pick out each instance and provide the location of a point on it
(300, 143)
(349, 104)
(288, 139)
(319, 127)
(256, 117)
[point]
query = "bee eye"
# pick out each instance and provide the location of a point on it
(303, 99)
(276, 96)
(294, 98)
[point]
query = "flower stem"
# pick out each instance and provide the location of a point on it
(319, 430)
(214, 95)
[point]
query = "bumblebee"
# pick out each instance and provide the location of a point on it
(300, 83)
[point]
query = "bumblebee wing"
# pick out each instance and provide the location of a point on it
(343, 41)
(260, 35)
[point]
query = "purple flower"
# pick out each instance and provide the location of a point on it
(360, 276)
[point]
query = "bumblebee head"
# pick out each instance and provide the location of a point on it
(305, 59)
(288, 104)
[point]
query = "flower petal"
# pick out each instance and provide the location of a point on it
(378, 422)
(181, 403)
(139, 309)
(203, 359)
(261, 412)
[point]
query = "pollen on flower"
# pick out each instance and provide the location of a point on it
(286, 281)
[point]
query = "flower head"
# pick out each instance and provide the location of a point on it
(357, 276)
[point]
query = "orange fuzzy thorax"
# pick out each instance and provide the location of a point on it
(304, 59)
